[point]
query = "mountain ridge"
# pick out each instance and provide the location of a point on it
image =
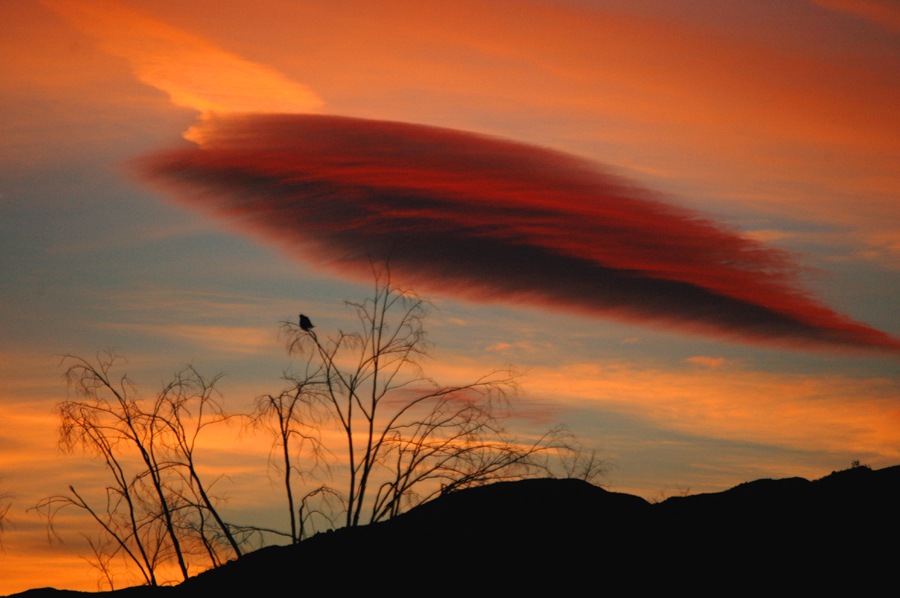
(518, 535)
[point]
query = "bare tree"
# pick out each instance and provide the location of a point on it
(294, 418)
(4, 510)
(580, 464)
(185, 407)
(406, 438)
(156, 508)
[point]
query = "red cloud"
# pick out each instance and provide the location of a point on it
(490, 219)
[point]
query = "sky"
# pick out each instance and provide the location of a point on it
(679, 220)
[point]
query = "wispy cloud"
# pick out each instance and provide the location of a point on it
(244, 339)
(884, 13)
(193, 71)
(828, 412)
(706, 361)
(488, 220)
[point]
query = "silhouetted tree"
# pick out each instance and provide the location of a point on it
(188, 406)
(579, 464)
(294, 420)
(157, 508)
(4, 510)
(406, 438)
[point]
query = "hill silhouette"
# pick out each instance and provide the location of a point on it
(836, 533)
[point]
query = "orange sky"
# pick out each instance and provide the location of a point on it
(777, 121)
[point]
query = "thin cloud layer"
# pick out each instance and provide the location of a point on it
(193, 71)
(884, 13)
(492, 220)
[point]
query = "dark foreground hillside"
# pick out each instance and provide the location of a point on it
(840, 533)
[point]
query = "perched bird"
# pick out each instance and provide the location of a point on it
(305, 324)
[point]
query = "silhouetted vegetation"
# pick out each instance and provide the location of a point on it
(830, 536)
(405, 440)
(4, 510)
(157, 508)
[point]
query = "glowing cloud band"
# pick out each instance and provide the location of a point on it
(193, 71)
(488, 219)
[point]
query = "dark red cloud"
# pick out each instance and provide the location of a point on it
(488, 219)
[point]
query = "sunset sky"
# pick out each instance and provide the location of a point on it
(679, 220)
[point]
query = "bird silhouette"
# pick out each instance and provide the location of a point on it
(305, 324)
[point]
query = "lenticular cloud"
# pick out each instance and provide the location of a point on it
(492, 220)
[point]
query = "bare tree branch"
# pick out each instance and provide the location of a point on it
(157, 507)
(4, 511)
(406, 438)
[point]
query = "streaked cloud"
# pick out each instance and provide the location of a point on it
(193, 71)
(833, 413)
(882, 248)
(704, 360)
(884, 13)
(492, 220)
(236, 339)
